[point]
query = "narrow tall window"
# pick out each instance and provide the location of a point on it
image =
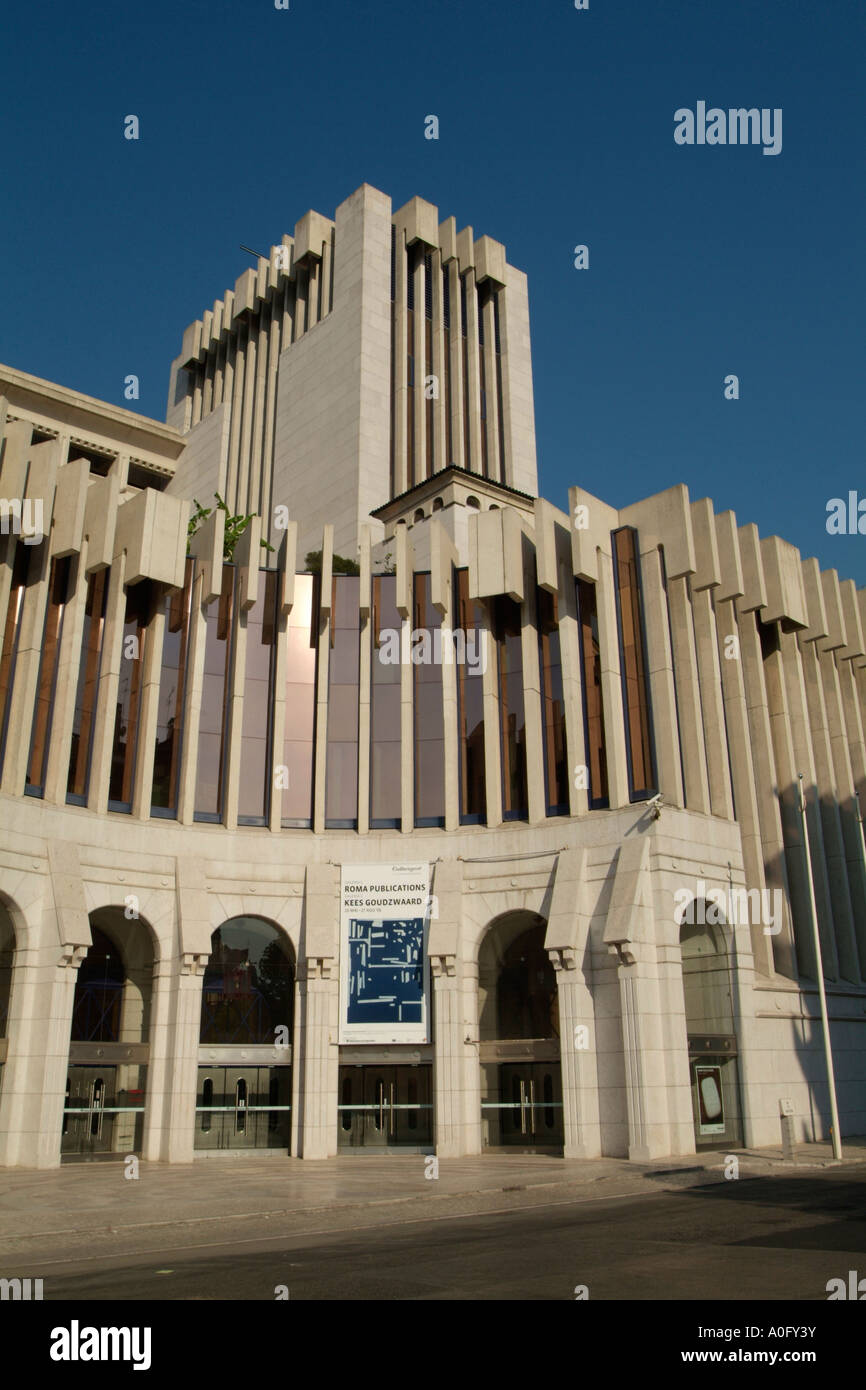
(11, 630)
(58, 586)
(553, 704)
(512, 712)
(411, 367)
(634, 680)
(385, 676)
(470, 635)
(483, 294)
(446, 385)
(464, 351)
(590, 665)
(428, 711)
(86, 691)
(341, 769)
(428, 359)
(302, 642)
(172, 686)
(499, 398)
(255, 766)
(128, 700)
(213, 725)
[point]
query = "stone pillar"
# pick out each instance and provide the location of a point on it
(472, 1073)
(34, 1076)
(449, 1081)
(319, 1058)
(643, 1056)
(169, 1133)
(695, 775)
(579, 1058)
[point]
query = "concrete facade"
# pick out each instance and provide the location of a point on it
(661, 650)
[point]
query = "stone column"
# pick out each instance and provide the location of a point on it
(169, 1133)
(643, 1056)
(449, 1082)
(34, 1076)
(579, 1058)
(319, 1058)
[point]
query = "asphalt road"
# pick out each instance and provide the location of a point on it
(761, 1238)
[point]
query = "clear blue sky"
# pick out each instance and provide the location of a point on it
(556, 128)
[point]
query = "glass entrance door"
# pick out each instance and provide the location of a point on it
(389, 1107)
(243, 1108)
(522, 1105)
(98, 1118)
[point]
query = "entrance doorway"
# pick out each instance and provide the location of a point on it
(387, 1107)
(524, 1105)
(708, 990)
(518, 1025)
(101, 1116)
(243, 1108)
(106, 1084)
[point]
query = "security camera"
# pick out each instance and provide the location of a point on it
(655, 806)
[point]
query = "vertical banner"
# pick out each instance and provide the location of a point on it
(384, 971)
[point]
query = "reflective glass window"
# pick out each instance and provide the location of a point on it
(172, 687)
(213, 726)
(428, 712)
(255, 766)
(470, 635)
(11, 630)
(341, 775)
(634, 674)
(248, 990)
(128, 699)
(302, 640)
(88, 684)
(58, 587)
(590, 662)
(385, 675)
(552, 704)
(512, 711)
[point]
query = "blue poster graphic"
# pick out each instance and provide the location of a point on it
(386, 970)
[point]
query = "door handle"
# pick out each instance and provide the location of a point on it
(391, 1114)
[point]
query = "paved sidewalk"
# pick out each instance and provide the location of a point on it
(89, 1202)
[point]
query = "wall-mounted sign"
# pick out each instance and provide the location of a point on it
(384, 972)
(711, 1107)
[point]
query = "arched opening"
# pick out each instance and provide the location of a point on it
(473, 502)
(7, 960)
(712, 1040)
(518, 1030)
(438, 504)
(106, 1088)
(245, 1038)
(419, 515)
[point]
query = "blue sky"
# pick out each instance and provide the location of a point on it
(556, 128)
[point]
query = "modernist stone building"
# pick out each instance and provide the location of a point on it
(491, 839)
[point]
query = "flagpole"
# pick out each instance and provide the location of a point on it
(825, 1025)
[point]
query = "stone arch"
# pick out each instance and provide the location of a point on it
(248, 989)
(707, 948)
(472, 501)
(114, 986)
(516, 980)
(518, 1036)
(8, 945)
